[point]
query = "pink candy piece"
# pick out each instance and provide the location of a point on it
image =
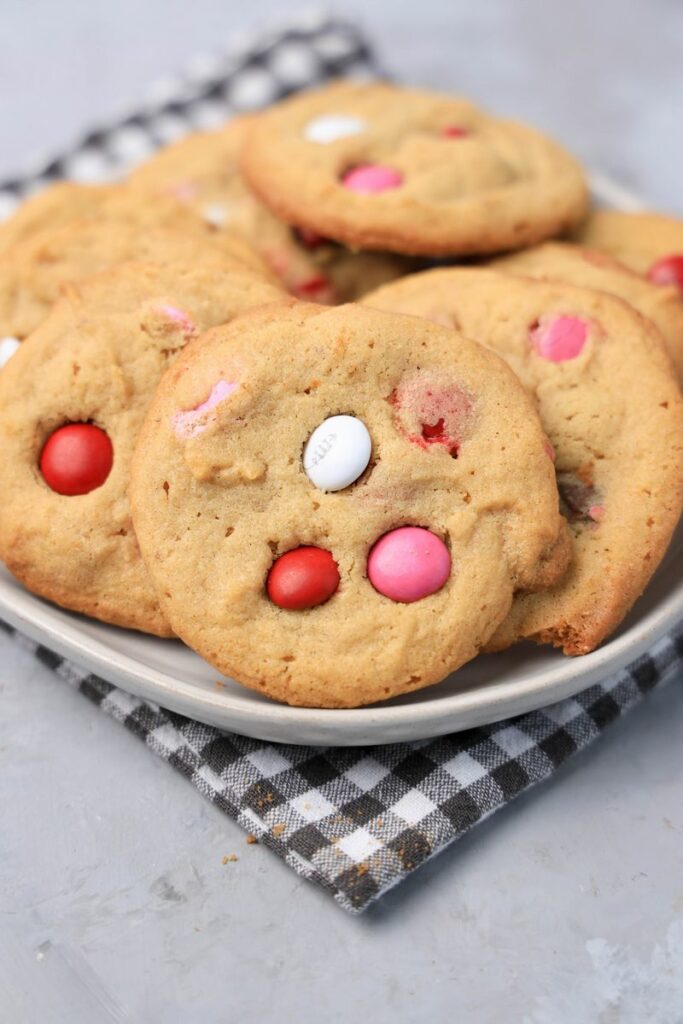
(183, 191)
(559, 338)
(188, 424)
(370, 178)
(408, 564)
(597, 513)
(177, 316)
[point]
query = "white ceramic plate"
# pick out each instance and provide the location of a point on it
(487, 690)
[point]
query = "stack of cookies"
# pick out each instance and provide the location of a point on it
(253, 397)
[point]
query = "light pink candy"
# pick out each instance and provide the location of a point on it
(370, 178)
(188, 424)
(177, 316)
(408, 564)
(597, 513)
(560, 338)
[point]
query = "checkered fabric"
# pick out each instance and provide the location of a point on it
(356, 820)
(256, 71)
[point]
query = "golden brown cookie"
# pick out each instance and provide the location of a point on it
(383, 167)
(649, 243)
(72, 399)
(202, 171)
(33, 272)
(609, 401)
(65, 202)
(589, 268)
(337, 505)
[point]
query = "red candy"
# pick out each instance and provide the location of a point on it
(317, 288)
(311, 239)
(452, 131)
(436, 433)
(302, 578)
(668, 270)
(76, 459)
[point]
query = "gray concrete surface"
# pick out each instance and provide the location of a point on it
(566, 908)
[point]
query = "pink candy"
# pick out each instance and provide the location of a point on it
(559, 338)
(188, 424)
(408, 564)
(177, 316)
(370, 178)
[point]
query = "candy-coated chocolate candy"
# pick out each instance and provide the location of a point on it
(76, 459)
(330, 127)
(191, 422)
(8, 346)
(317, 289)
(302, 578)
(408, 564)
(310, 239)
(668, 270)
(559, 338)
(337, 452)
(370, 178)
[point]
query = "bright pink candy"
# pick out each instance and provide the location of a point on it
(597, 513)
(408, 564)
(559, 338)
(370, 178)
(188, 424)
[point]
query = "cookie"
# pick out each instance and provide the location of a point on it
(33, 272)
(202, 172)
(61, 204)
(72, 399)
(588, 268)
(383, 167)
(337, 505)
(649, 243)
(610, 403)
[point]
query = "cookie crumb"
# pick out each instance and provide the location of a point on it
(229, 858)
(251, 839)
(362, 869)
(278, 829)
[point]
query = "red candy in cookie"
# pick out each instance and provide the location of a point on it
(316, 289)
(302, 578)
(668, 270)
(452, 131)
(76, 459)
(432, 411)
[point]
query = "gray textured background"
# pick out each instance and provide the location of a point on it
(567, 907)
(602, 75)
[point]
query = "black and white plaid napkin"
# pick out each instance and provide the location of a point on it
(354, 820)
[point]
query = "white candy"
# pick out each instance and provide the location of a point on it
(337, 452)
(330, 127)
(8, 346)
